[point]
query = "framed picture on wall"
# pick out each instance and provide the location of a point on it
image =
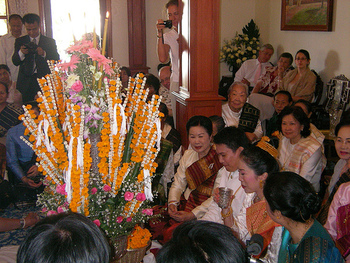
(307, 15)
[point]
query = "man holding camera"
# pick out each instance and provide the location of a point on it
(31, 54)
(168, 45)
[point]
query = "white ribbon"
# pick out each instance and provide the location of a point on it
(40, 134)
(69, 171)
(123, 125)
(148, 185)
(46, 137)
(80, 155)
(159, 133)
(115, 123)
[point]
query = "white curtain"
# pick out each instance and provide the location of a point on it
(18, 7)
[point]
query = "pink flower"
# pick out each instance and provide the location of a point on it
(147, 211)
(141, 197)
(51, 212)
(96, 55)
(119, 219)
(107, 188)
(71, 64)
(60, 209)
(77, 86)
(97, 222)
(44, 210)
(128, 219)
(93, 190)
(61, 189)
(128, 196)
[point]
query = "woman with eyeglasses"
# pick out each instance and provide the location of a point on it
(300, 82)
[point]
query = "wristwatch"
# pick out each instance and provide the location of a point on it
(22, 222)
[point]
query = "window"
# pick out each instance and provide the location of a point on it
(3, 17)
(84, 16)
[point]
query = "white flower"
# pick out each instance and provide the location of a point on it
(244, 59)
(92, 68)
(97, 75)
(71, 80)
(254, 56)
(101, 93)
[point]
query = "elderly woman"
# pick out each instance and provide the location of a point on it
(292, 202)
(301, 81)
(298, 151)
(237, 112)
(270, 81)
(268, 84)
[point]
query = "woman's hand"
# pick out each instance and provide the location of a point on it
(30, 182)
(251, 136)
(31, 219)
(182, 216)
(172, 209)
(216, 196)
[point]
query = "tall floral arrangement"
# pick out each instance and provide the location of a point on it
(75, 106)
(242, 47)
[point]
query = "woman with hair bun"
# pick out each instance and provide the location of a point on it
(292, 202)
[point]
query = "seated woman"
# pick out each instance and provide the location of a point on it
(254, 166)
(307, 108)
(268, 84)
(338, 225)
(153, 85)
(237, 112)
(125, 74)
(9, 113)
(292, 202)
(341, 170)
(14, 96)
(298, 151)
(300, 82)
(189, 195)
(167, 158)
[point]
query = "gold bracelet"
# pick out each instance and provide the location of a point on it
(226, 215)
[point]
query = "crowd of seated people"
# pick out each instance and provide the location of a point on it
(274, 188)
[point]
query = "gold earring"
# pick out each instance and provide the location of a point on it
(261, 184)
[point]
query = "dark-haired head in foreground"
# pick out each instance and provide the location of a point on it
(292, 195)
(65, 238)
(202, 242)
